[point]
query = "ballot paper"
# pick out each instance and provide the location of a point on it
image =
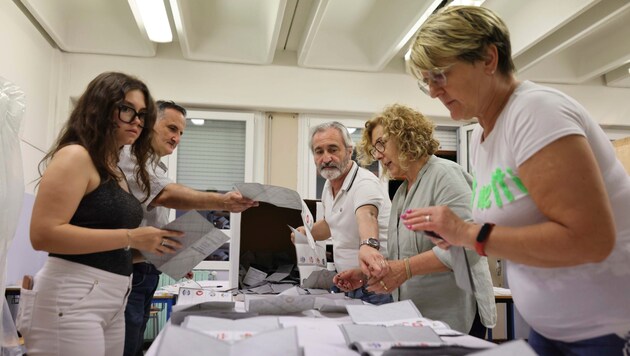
(374, 339)
(285, 304)
(386, 314)
(181, 341)
(281, 197)
(278, 196)
(216, 309)
(231, 330)
(403, 313)
(308, 259)
(200, 239)
(198, 295)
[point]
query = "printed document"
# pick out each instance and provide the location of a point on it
(282, 197)
(200, 239)
(181, 341)
(308, 259)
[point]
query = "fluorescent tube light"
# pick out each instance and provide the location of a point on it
(151, 16)
(466, 2)
(198, 122)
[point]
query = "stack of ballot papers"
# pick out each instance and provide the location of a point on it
(373, 339)
(292, 304)
(246, 333)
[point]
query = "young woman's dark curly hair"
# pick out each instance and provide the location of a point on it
(91, 126)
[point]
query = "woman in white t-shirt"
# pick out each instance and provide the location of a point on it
(545, 174)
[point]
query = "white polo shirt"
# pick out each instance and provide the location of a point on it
(360, 187)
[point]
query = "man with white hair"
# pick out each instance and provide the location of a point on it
(356, 207)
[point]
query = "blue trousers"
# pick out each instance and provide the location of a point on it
(609, 345)
(144, 283)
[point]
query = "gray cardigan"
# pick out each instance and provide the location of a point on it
(440, 182)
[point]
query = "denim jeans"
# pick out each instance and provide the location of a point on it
(144, 283)
(364, 295)
(609, 345)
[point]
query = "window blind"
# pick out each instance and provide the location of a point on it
(212, 156)
(447, 138)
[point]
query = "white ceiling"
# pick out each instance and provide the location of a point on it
(558, 41)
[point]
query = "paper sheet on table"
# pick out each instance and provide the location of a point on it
(282, 197)
(200, 240)
(231, 330)
(375, 340)
(386, 314)
(181, 341)
(278, 305)
(377, 333)
(314, 330)
(461, 269)
(218, 286)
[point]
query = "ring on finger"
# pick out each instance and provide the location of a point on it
(427, 218)
(383, 285)
(163, 242)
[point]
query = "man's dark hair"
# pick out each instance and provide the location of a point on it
(169, 104)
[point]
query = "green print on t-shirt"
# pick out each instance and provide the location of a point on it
(497, 186)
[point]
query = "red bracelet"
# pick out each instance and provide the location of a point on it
(482, 238)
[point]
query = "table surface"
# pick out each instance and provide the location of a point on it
(324, 344)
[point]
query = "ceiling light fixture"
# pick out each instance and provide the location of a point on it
(466, 2)
(151, 17)
(198, 122)
(430, 10)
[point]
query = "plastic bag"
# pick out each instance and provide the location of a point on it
(12, 107)
(10, 342)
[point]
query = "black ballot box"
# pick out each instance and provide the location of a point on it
(265, 237)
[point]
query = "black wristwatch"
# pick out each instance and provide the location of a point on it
(372, 242)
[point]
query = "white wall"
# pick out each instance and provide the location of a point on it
(51, 78)
(266, 88)
(29, 61)
(287, 88)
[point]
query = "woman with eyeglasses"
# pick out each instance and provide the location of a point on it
(87, 221)
(546, 174)
(401, 139)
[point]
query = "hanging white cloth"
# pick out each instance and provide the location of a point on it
(12, 106)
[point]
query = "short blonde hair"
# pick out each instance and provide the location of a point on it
(412, 131)
(460, 33)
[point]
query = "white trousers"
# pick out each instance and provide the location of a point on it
(74, 309)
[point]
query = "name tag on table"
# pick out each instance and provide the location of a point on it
(196, 295)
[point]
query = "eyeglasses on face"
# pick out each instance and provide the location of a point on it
(435, 77)
(127, 114)
(378, 146)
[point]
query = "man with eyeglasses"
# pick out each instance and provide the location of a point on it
(165, 195)
(356, 208)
